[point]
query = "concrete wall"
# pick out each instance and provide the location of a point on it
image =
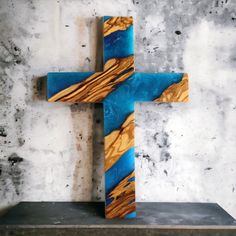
(184, 152)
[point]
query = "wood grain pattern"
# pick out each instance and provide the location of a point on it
(96, 87)
(119, 141)
(116, 23)
(123, 196)
(176, 92)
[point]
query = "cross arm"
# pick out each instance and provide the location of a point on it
(161, 87)
(89, 86)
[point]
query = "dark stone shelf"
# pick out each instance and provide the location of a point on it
(83, 218)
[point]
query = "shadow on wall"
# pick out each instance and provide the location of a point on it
(88, 170)
(40, 88)
(95, 144)
(98, 191)
(12, 180)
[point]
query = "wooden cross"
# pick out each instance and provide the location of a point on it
(118, 87)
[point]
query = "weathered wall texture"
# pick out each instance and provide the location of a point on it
(184, 152)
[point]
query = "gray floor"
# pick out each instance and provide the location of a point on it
(87, 219)
(69, 213)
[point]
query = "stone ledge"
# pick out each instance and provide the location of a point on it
(83, 218)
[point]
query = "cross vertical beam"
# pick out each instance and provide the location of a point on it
(119, 123)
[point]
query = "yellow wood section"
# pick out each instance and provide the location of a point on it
(96, 87)
(118, 142)
(123, 197)
(176, 92)
(116, 23)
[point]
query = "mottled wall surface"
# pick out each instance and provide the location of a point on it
(184, 152)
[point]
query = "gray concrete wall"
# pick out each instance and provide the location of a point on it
(184, 152)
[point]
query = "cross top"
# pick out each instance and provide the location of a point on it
(118, 87)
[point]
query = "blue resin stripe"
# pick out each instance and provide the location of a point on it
(131, 215)
(57, 81)
(122, 168)
(119, 44)
(106, 18)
